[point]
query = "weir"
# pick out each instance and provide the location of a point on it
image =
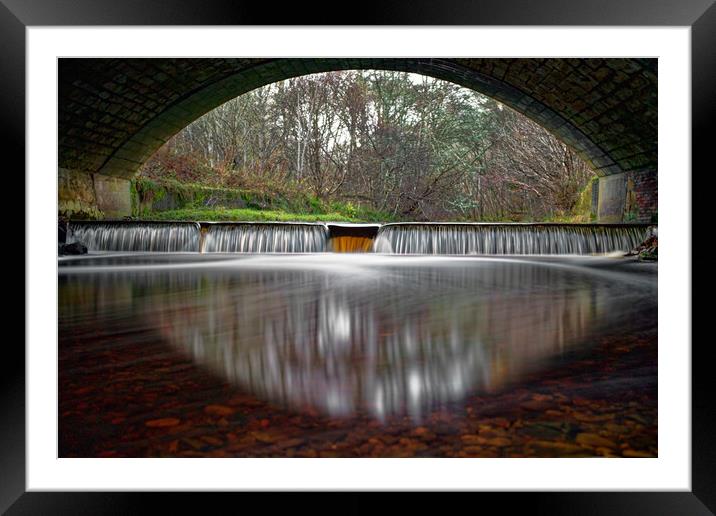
(265, 237)
(136, 236)
(394, 238)
(352, 238)
(481, 238)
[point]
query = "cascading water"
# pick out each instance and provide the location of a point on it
(398, 238)
(136, 236)
(265, 238)
(461, 239)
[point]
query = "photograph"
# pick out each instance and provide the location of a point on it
(357, 257)
(415, 252)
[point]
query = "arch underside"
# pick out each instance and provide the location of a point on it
(115, 113)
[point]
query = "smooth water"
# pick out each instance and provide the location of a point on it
(346, 335)
(501, 239)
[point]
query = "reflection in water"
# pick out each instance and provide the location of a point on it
(360, 333)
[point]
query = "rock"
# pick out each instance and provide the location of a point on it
(500, 422)
(263, 437)
(74, 248)
(616, 429)
(210, 439)
(473, 439)
(498, 442)
(595, 441)
(648, 250)
(543, 430)
(637, 454)
(194, 443)
(592, 418)
(327, 454)
(606, 452)
(162, 423)
(219, 410)
(291, 443)
(536, 405)
(554, 448)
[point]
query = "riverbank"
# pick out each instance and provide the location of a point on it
(248, 215)
(172, 200)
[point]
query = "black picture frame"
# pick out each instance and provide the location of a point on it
(700, 15)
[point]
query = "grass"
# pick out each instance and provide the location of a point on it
(582, 211)
(191, 204)
(247, 215)
(209, 203)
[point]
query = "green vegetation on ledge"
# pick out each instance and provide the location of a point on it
(169, 199)
(246, 214)
(582, 212)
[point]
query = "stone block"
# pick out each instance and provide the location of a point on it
(612, 196)
(75, 195)
(113, 196)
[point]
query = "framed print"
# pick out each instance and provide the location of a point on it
(416, 253)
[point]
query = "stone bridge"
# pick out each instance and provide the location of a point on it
(115, 113)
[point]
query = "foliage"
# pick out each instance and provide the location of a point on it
(405, 146)
(224, 214)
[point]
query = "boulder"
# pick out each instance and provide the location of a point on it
(71, 249)
(648, 250)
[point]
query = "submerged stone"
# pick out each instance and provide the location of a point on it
(71, 249)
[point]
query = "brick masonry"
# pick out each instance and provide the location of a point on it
(115, 113)
(641, 199)
(628, 197)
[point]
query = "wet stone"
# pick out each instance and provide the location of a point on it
(595, 440)
(151, 399)
(162, 423)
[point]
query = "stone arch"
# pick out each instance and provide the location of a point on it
(115, 113)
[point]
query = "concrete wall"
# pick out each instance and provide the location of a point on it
(82, 195)
(628, 197)
(612, 195)
(76, 196)
(113, 196)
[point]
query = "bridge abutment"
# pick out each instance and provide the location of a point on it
(627, 197)
(82, 195)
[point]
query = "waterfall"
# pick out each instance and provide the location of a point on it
(265, 238)
(349, 244)
(136, 236)
(397, 238)
(460, 239)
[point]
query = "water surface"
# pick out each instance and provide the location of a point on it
(370, 338)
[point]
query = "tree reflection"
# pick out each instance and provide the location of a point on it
(401, 337)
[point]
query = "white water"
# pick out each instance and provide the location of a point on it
(407, 238)
(136, 236)
(265, 238)
(492, 239)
